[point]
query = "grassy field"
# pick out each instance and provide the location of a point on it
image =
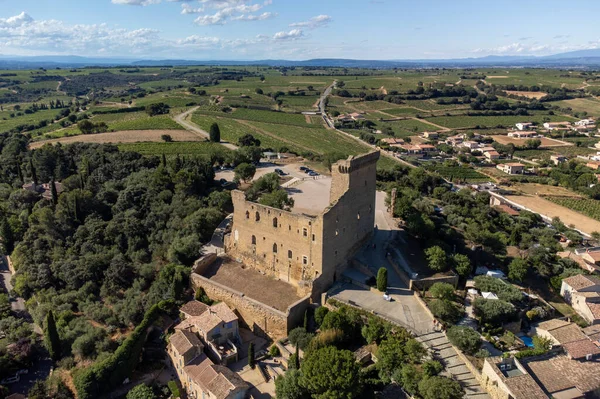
(455, 122)
(459, 174)
(173, 149)
(586, 206)
(589, 105)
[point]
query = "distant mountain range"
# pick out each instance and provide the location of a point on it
(587, 59)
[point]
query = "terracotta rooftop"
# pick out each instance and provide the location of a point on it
(566, 334)
(218, 380)
(559, 373)
(580, 349)
(552, 324)
(213, 317)
(183, 341)
(580, 281)
(194, 308)
(514, 164)
(594, 308)
(507, 209)
(524, 387)
(593, 332)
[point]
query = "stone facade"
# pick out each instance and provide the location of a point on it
(309, 252)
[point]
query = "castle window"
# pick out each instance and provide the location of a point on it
(305, 260)
(289, 227)
(247, 215)
(275, 248)
(290, 254)
(274, 222)
(313, 237)
(253, 240)
(257, 216)
(304, 232)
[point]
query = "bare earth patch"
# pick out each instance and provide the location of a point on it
(546, 142)
(125, 136)
(550, 209)
(542, 189)
(528, 94)
(497, 77)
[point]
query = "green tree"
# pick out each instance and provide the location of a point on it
(494, 311)
(320, 314)
(440, 388)
(374, 330)
(299, 337)
(408, 376)
(215, 133)
(277, 199)
(51, 337)
(445, 310)
(4, 306)
(442, 291)
(245, 172)
(141, 391)
(432, 368)
(53, 192)
(465, 338)
(167, 138)
(330, 373)
(288, 386)
(248, 140)
(415, 351)
(157, 109)
(462, 265)
(382, 279)
(517, 269)
(391, 355)
(437, 259)
(251, 358)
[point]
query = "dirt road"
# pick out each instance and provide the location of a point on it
(190, 126)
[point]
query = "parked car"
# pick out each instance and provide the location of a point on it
(307, 171)
(10, 380)
(280, 172)
(304, 168)
(311, 173)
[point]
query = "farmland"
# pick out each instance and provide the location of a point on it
(171, 150)
(128, 136)
(585, 206)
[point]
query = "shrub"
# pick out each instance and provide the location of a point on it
(274, 351)
(437, 259)
(382, 279)
(493, 311)
(166, 138)
(432, 368)
(506, 292)
(320, 314)
(299, 337)
(465, 338)
(174, 389)
(442, 291)
(331, 337)
(445, 310)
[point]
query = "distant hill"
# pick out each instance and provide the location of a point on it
(574, 59)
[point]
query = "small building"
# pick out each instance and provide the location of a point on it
(512, 168)
(506, 378)
(455, 140)
(524, 125)
(472, 145)
(430, 135)
(521, 135)
(593, 165)
(550, 126)
(392, 140)
(583, 294)
(491, 155)
(585, 122)
(558, 159)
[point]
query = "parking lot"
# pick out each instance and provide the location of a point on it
(310, 194)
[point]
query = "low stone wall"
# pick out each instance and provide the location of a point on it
(295, 313)
(204, 262)
(425, 283)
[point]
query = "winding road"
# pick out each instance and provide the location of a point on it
(182, 119)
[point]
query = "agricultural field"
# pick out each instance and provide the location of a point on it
(126, 136)
(585, 206)
(466, 122)
(546, 142)
(591, 105)
(171, 150)
(459, 174)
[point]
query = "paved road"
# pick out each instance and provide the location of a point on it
(17, 304)
(404, 309)
(322, 110)
(182, 119)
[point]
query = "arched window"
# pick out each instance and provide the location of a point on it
(274, 222)
(253, 240)
(247, 215)
(275, 248)
(257, 216)
(290, 254)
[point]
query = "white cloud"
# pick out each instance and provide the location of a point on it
(255, 17)
(534, 48)
(187, 9)
(229, 10)
(291, 35)
(136, 2)
(313, 23)
(17, 20)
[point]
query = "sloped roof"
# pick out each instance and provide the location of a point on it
(579, 349)
(183, 341)
(580, 281)
(194, 308)
(524, 387)
(218, 380)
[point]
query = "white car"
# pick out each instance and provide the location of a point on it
(387, 297)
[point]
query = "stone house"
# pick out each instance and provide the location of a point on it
(512, 168)
(491, 155)
(583, 294)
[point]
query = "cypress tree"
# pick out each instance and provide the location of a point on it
(215, 133)
(33, 172)
(7, 236)
(306, 320)
(382, 279)
(54, 192)
(164, 161)
(51, 337)
(297, 359)
(251, 358)
(20, 172)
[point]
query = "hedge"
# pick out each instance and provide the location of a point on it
(104, 376)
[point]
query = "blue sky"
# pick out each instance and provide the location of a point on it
(296, 29)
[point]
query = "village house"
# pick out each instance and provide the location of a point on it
(491, 155)
(583, 294)
(430, 135)
(593, 165)
(585, 122)
(455, 140)
(522, 135)
(44, 189)
(558, 159)
(550, 126)
(391, 141)
(471, 145)
(512, 168)
(347, 118)
(570, 337)
(216, 325)
(524, 125)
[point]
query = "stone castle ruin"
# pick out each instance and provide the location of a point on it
(276, 262)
